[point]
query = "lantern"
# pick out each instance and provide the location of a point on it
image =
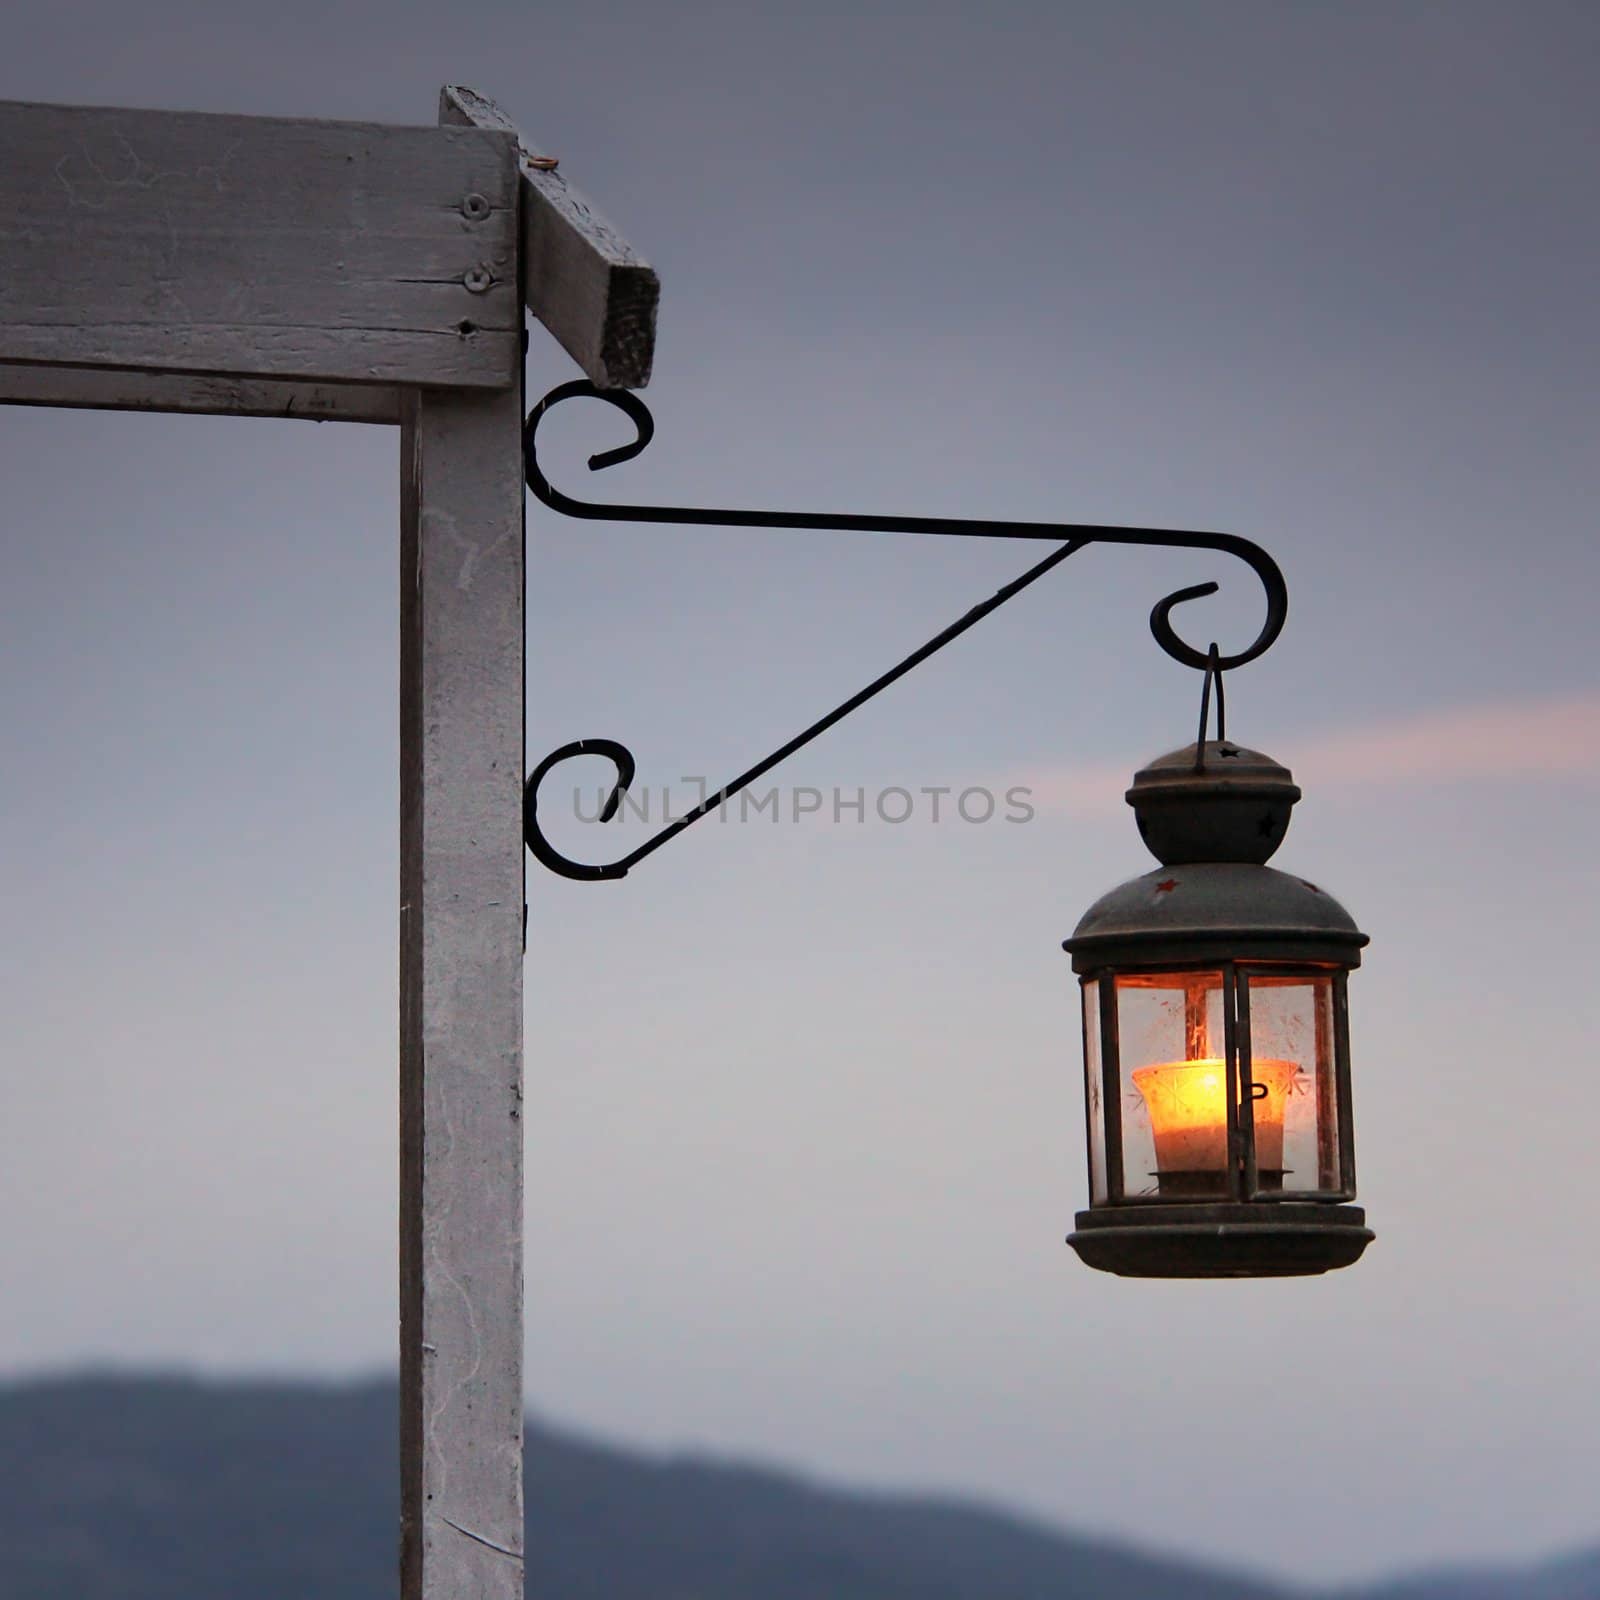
(1216, 1041)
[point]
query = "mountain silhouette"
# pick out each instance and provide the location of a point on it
(124, 1488)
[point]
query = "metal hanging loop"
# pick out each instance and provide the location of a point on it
(1213, 675)
(1074, 537)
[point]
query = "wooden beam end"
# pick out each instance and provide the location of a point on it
(582, 279)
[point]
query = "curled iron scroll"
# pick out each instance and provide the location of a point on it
(1070, 537)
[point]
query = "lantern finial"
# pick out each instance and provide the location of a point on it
(1215, 802)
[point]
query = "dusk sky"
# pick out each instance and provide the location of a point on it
(805, 1106)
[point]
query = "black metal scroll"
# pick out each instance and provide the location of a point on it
(1075, 535)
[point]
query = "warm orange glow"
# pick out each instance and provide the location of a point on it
(1188, 1106)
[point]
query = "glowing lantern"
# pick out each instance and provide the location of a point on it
(1216, 1045)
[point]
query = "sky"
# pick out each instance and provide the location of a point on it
(805, 1109)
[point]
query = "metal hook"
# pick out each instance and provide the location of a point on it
(1074, 535)
(1253, 556)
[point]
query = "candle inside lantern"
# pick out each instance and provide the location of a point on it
(1188, 1106)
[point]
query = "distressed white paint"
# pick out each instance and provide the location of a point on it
(581, 278)
(258, 247)
(461, 874)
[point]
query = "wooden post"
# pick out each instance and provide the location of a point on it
(461, 921)
(164, 261)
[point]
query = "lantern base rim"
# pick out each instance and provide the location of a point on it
(1280, 1239)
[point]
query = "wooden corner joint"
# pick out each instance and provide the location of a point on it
(581, 278)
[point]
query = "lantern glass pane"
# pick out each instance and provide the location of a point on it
(1094, 1091)
(1294, 1072)
(1174, 1076)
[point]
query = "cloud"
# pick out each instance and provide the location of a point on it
(1551, 737)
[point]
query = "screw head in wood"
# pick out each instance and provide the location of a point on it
(475, 208)
(478, 279)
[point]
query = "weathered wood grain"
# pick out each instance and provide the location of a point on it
(258, 247)
(461, 915)
(108, 389)
(581, 278)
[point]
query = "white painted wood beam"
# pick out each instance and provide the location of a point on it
(257, 247)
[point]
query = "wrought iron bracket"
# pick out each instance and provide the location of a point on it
(1075, 537)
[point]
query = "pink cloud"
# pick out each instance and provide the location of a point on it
(1547, 738)
(1556, 737)
(1093, 791)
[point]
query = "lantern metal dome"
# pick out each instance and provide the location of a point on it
(1216, 1041)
